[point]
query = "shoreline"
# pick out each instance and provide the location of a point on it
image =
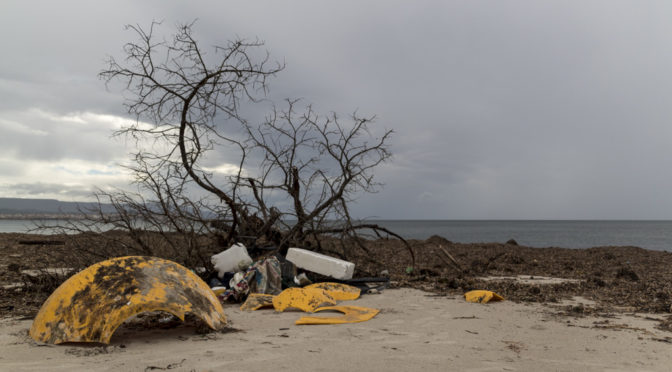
(612, 276)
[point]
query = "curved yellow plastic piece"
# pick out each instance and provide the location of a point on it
(256, 301)
(90, 305)
(482, 296)
(351, 314)
(339, 291)
(304, 299)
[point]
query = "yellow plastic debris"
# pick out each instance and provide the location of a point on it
(482, 296)
(304, 299)
(339, 291)
(256, 301)
(90, 305)
(351, 314)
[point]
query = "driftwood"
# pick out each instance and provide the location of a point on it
(453, 261)
(41, 242)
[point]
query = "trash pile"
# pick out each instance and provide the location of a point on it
(90, 305)
(284, 283)
(482, 296)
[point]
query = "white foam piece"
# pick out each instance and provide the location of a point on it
(231, 260)
(320, 264)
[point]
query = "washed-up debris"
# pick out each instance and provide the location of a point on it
(41, 242)
(233, 259)
(287, 270)
(304, 299)
(91, 304)
(263, 276)
(531, 279)
(320, 264)
(315, 298)
(482, 296)
(13, 286)
(351, 314)
(269, 275)
(338, 291)
(314, 295)
(368, 285)
(60, 271)
(302, 280)
(276, 272)
(451, 260)
(256, 301)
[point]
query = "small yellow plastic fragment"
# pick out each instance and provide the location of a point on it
(351, 314)
(304, 299)
(256, 301)
(482, 296)
(339, 291)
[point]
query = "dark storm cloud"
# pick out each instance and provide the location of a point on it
(518, 109)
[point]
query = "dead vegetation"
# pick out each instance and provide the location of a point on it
(207, 173)
(617, 278)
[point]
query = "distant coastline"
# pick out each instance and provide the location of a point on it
(48, 209)
(42, 216)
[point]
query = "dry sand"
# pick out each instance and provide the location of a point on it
(414, 331)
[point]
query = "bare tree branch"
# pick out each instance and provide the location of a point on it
(291, 177)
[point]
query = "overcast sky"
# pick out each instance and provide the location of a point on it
(502, 109)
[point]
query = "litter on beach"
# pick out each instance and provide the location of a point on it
(90, 305)
(351, 314)
(321, 264)
(482, 296)
(233, 259)
(314, 298)
(338, 291)
(256, 301)
(304, 299)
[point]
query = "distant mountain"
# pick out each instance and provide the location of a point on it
(44, 206)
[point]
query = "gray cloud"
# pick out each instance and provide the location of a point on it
(37, 190)
(522, 109)
(41, 135)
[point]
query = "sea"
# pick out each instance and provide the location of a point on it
(655, 235)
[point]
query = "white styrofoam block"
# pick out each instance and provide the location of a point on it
(231, 260)
(321, 264)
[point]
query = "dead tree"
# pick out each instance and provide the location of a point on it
(291, 177)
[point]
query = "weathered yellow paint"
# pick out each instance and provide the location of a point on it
(90, 305)
(304, 299)
(256, 301)
(482, 296)
(301, 298)
(351, 314)
(339, 291)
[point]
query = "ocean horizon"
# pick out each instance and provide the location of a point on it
(649, 234)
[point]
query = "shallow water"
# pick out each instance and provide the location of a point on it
(656, 235)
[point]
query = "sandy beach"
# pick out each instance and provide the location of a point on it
(598, 309)
(164, 163)
(415, 330)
